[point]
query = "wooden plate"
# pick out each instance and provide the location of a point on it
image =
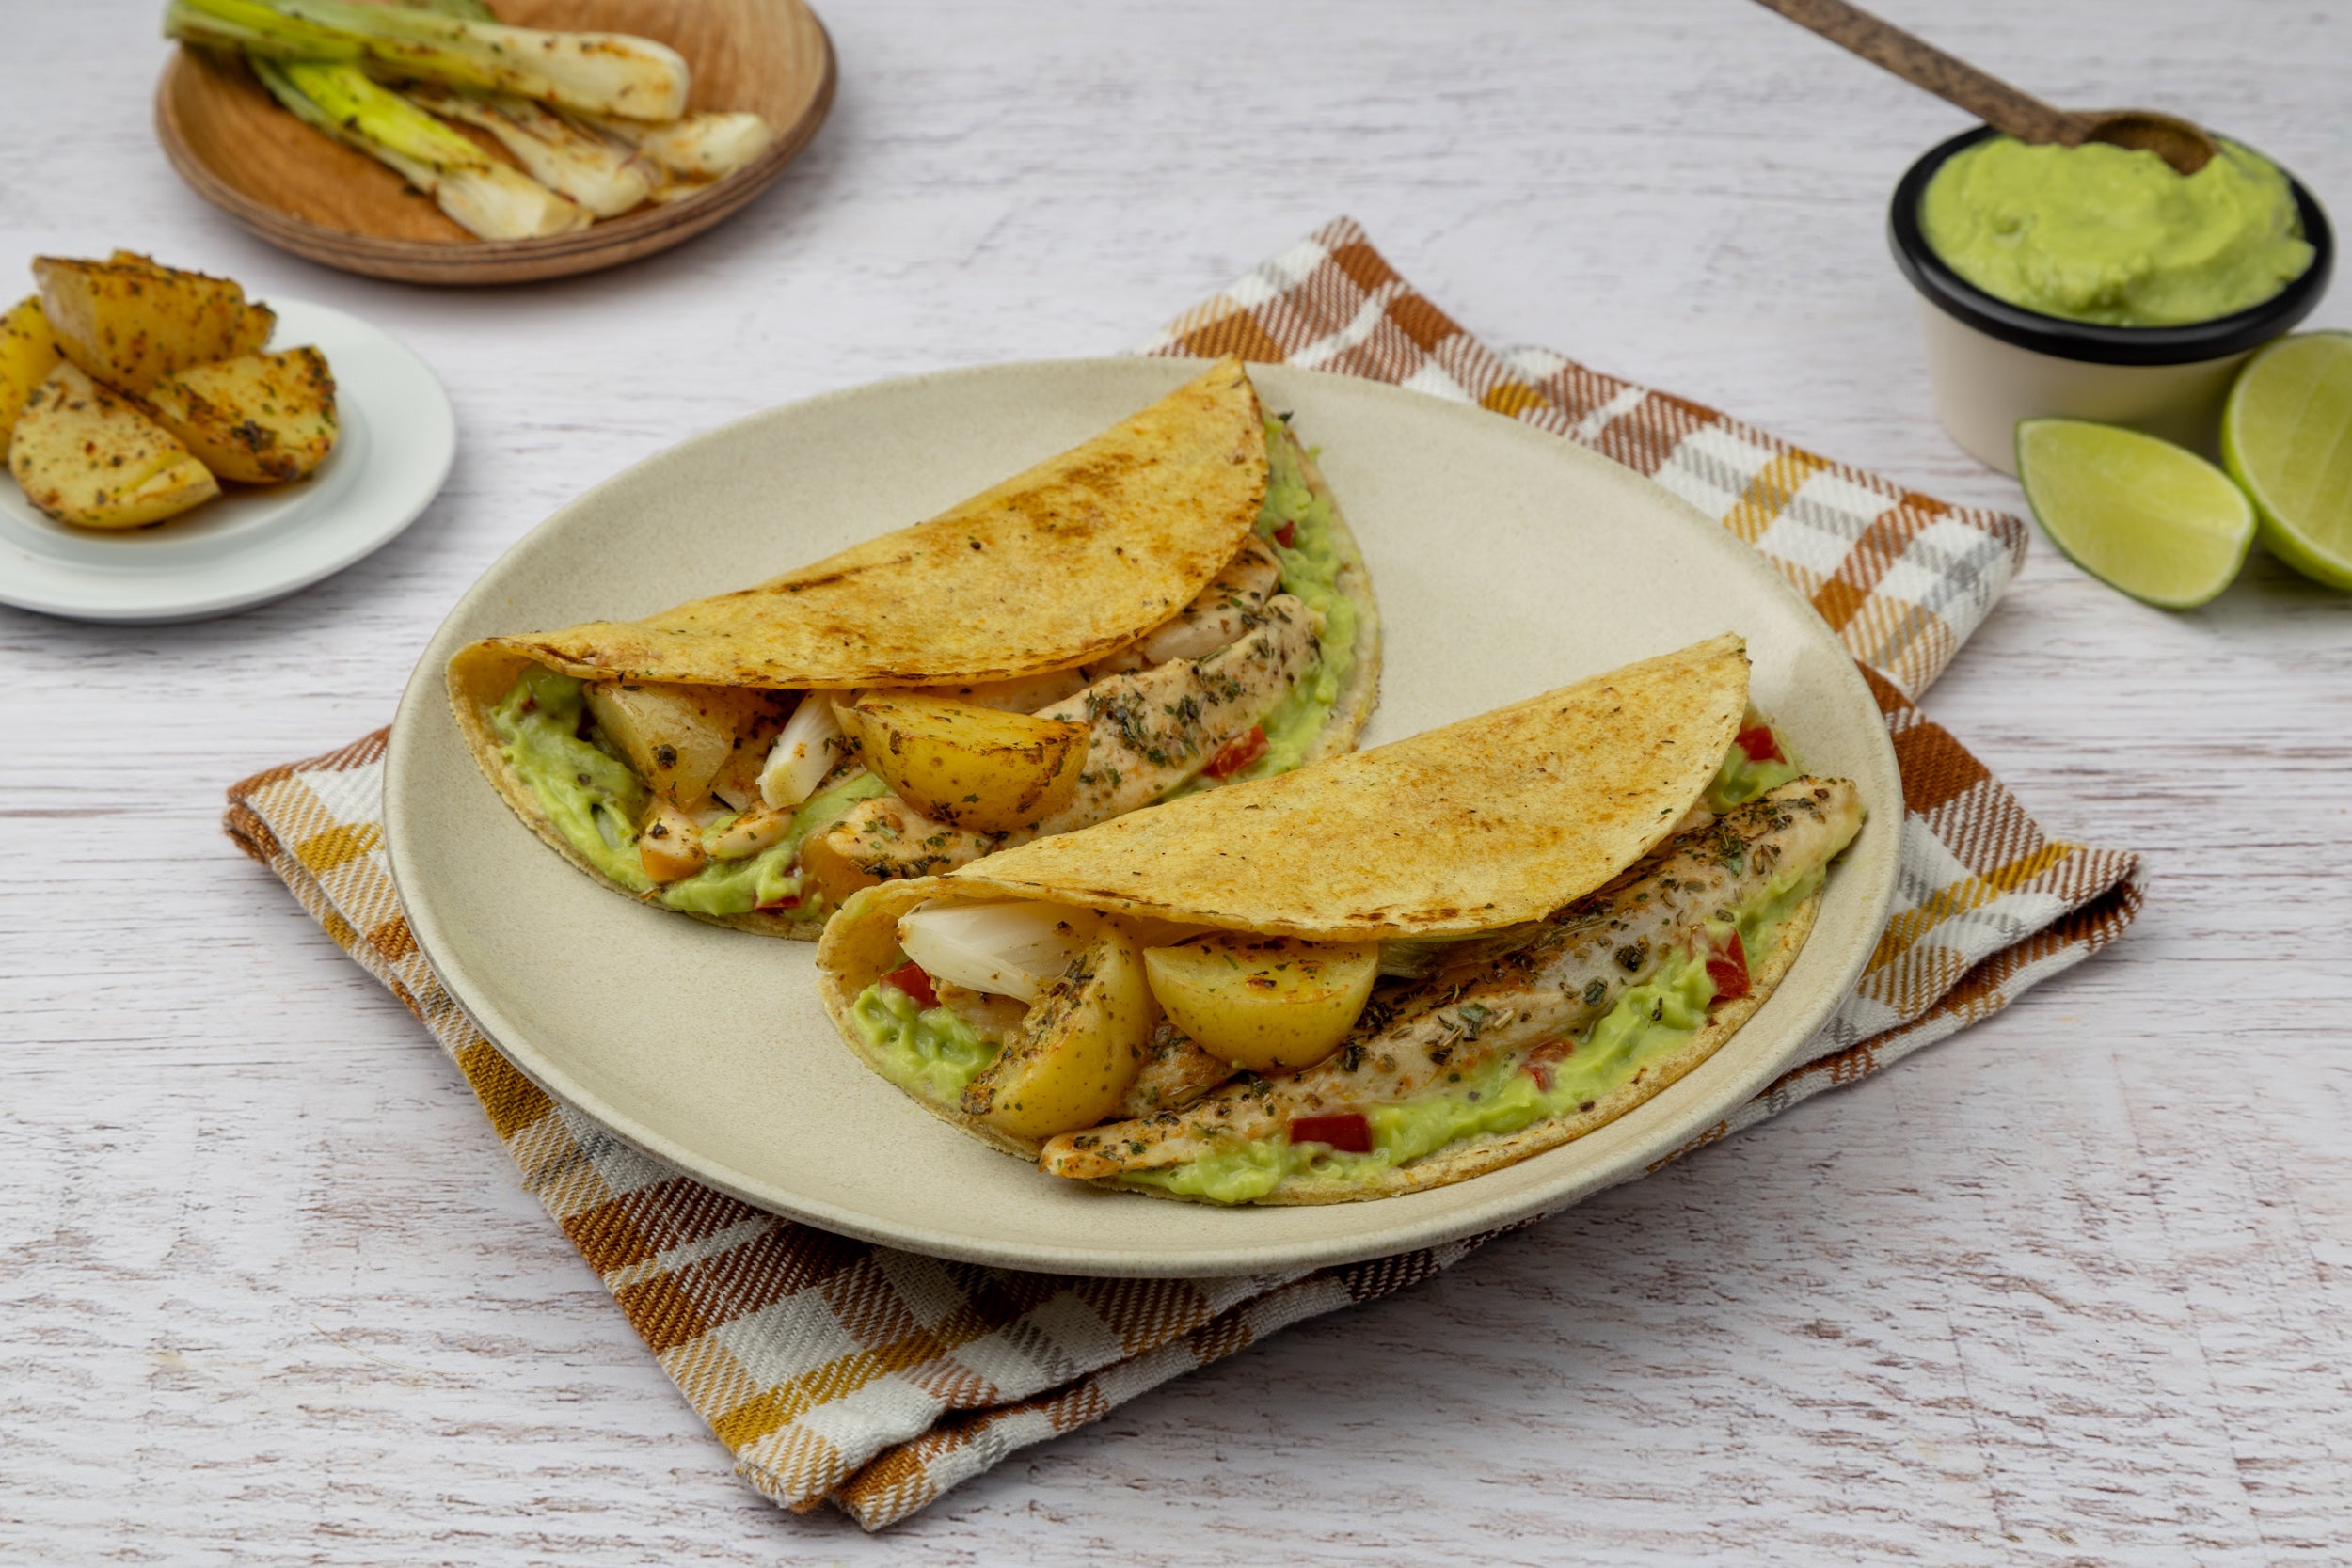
(307, 192)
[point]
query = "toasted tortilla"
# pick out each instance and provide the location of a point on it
(1124, 531)
(1473, 827)
(1468, 828)
(1126, 528)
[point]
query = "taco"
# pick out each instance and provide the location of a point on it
(1386, 971)
(1171, 607)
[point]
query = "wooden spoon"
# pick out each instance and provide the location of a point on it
(2186, 147)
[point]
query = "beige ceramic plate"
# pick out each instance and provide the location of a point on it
(1506, 562)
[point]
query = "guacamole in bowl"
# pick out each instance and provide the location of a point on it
(2096, 283)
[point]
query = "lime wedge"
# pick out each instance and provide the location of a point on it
(2139, 513)
(2286, 436)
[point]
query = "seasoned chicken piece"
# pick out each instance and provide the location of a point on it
(1149, 732)
(883, 839)
(1175, 1073)
(1216, 618)
(992, 1018)
(1221, 612)
(1508, 992)
(1155, 729)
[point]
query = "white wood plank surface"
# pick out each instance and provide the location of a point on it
(2072, 1288)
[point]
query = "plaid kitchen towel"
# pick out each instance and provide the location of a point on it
(837, 1370)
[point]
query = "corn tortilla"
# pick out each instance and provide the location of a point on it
(1076, 556)
(1470, 827)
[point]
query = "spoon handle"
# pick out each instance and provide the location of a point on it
(1913, 59)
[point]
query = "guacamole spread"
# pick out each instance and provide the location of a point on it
(928, 1051)
(1297, 524)
(595, 801)
(2112, 235)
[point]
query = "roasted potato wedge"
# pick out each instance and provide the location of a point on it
(27, 355)
(87, 457)
(262, 418)
(1267, 1004)
(678, 737)
(1078, 1047)
(967, 765)
(253, 328)
(129, 324)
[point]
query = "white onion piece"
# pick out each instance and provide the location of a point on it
(1005, 949)
(806, 750)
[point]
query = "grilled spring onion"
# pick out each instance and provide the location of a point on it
(605, 177)
(609, 74)
(485, 196)
(699, 147)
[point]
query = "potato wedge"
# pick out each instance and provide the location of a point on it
(679, 738)
(27, 355)
(967, 765)
(1078, 1047)
(262, 418)
(253, 327)
(1267, 1004)
(87, 457)
(129, 324)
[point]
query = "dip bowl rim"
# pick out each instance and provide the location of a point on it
(2093, 341)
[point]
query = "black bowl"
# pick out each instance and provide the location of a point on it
(2089, 341)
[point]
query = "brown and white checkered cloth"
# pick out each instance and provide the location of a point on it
(834, 1368)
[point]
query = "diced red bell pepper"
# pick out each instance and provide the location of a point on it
(1728, 967)
(1538, 1063)
(1287, 535)
(1241, 753)
(1347, 1132)
(790, 901)
(1760, 744)
(910, 978)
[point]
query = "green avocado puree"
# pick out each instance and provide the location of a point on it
(595, 801)
(929, 1053)
(1310, 571)
(1740, 779)
(2108, 234)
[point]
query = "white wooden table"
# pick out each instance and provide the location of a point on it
(2072, 1288)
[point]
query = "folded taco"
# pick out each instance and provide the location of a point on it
(1386, 971)
(1173, 606)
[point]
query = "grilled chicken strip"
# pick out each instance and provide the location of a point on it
(1148, 731)
(1155, 729)
(1220, 613)
(1503, 993)
(1175, 1073)
(1217, 617)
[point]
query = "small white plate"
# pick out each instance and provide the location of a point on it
(253, 545)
